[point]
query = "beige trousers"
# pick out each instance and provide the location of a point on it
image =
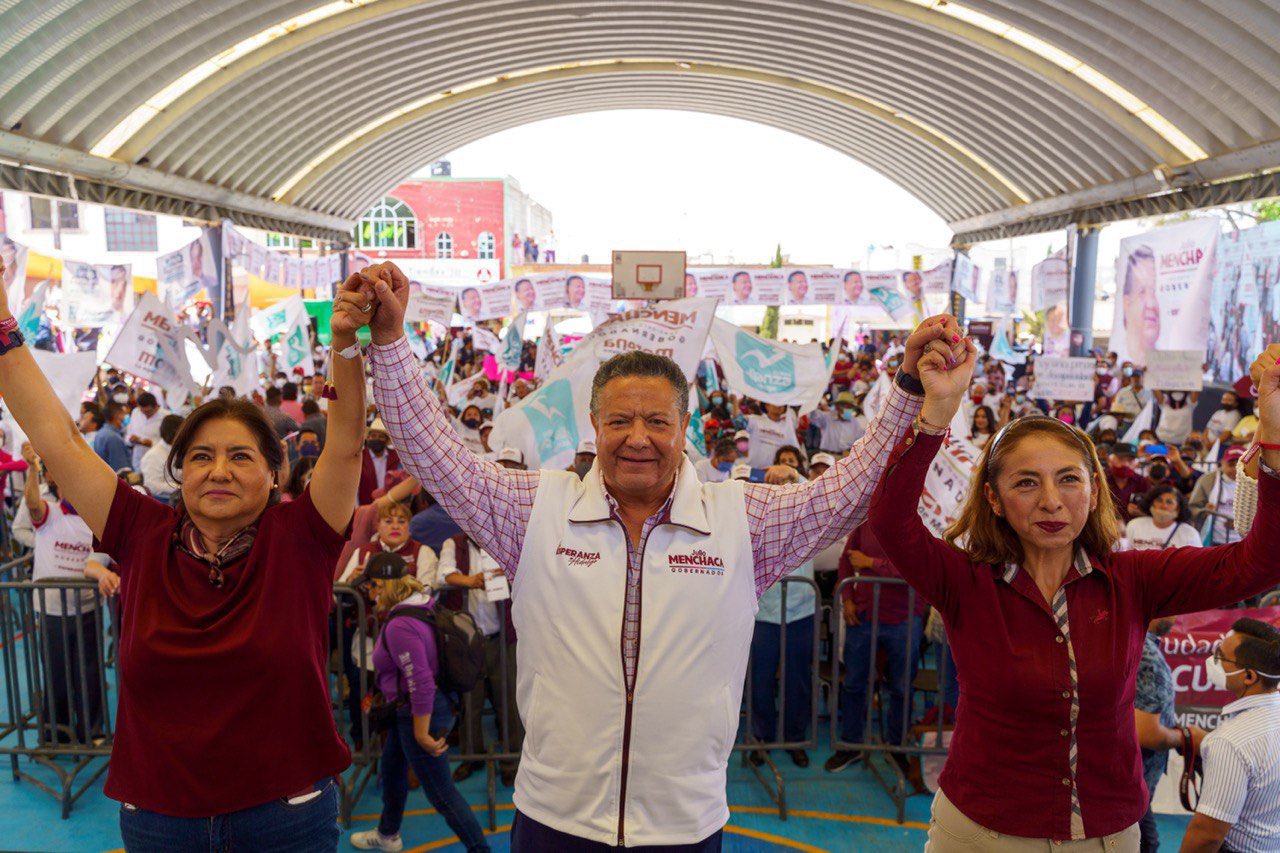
(951, 832)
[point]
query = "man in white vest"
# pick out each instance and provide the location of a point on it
(634, 590)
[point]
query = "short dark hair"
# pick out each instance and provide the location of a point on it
(1259, 650)
(640, 363)
(289, 391)
(273, 394)
(95, 415)
(146, 398)
(113, 409)
(238, 409)
(310, 407)
(169, 426)
(1158, 491)
(726, 445)
(308, 431)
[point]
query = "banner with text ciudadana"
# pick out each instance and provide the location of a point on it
(1164, 287)
(770, 371)
(547, 425)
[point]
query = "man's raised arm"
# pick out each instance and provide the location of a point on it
(491, 503)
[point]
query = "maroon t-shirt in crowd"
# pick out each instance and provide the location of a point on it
(893, 597)
(224, 699)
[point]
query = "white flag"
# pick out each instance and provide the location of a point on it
(548, 424)
(230, 356)
(771, 371)
(550, 356)
(69, 373)
(150, 346)
(512, 348)
(482, 338)
(1141, 423)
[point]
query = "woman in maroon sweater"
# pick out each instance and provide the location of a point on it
(224, 731)
(1046, 623)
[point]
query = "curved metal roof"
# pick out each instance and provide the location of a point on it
(986, 110)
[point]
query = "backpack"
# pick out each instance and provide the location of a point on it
(459, 646)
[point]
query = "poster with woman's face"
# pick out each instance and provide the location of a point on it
(1164, 289)
(94, 295)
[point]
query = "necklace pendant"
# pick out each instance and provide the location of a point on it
(216, 580)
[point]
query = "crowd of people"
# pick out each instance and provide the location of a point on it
(1045, 604)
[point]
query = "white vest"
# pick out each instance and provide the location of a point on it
(697, 612)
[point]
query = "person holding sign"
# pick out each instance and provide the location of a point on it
(224, 724)
(630, 713)
(1046, 622)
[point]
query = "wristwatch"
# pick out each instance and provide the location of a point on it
(10, 337)
(908, 383)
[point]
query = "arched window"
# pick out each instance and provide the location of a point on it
(444, 245)
(485, 246)
(389, 224)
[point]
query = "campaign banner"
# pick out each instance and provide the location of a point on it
(946, 484)
(547, 425)
(431, 305)
(1002, 289)
(783, 374)
(550, 355)
(1164, 290)
(890, 296)
(545, 291)
(15, 281)
(1055, 338)
(1176, 370)
(288, 320)
(1065, 379)
(69, 373)
(511, 351)
(483, 339)
(456, 392)
(1244, 316)
(599, 300)
(934, 281)
(94, 295)
(150, 346)
(965, 277)
(1050, 282)
(485, 302)
(1192, 640)
(181, 275)
(229, 355)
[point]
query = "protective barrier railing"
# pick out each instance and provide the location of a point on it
(898, 685)
(53, 643)
(354, 648)
(747, 742)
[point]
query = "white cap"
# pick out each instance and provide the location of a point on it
(822, 459)
(378, 426)
(587, 446)
(741, 471)
(484, 426)
(511, 454)
(741, 434)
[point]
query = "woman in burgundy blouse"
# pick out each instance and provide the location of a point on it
(224, 731)
(1046, 623)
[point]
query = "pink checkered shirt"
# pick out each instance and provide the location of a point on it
(788, 524)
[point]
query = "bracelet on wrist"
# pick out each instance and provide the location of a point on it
(930, 428)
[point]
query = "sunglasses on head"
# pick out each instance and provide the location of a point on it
(995, 442)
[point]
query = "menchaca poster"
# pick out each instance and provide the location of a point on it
(430, 304)
(151, 346)
(1002, 288)
(946, 484)
(783, 374)
(181, 275)
(547, 425)
(1164, 289)
(1244, 314)
(96, 294)
(1050, 291)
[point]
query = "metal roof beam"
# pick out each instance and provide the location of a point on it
(115, 179)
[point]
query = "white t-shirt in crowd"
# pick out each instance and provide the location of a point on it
(1144, 535)
(470, 437)
(485, 612)
(62, 544)
(767, 436)
(143, 427)
(1175, 424)
(424, 571)
(708, 472)
(837, 435)
(152, 469)
(1223, 420)
(1223, 494)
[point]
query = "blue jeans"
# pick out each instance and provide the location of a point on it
(402, 750)
(766, 649)
(859, 658)
(275, 825)
(951, 681)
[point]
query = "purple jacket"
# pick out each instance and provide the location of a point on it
(405, 654)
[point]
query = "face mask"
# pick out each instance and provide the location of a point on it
(279, 383)
(717, 400)
(1020, 398)
(742, 446)
(726, 467)
(376, 446)
(846, 414)
(1157, 472)
(1067, 418)
(471, 422)
(309, 451)
(1128, 371)
(1217, 675)
(120, 398)
(977, 398)
(1102, 371)
(1164, 517)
